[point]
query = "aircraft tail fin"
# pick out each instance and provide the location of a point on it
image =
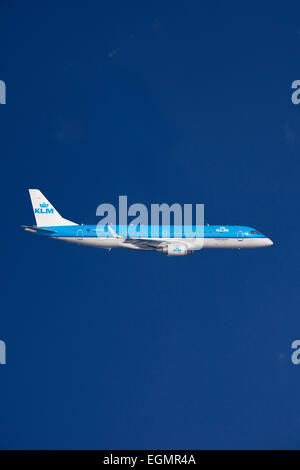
(45, 214)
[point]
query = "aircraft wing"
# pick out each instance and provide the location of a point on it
(145, 243)
(142, 243)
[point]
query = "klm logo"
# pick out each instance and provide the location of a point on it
(43, 209)
(177, 250)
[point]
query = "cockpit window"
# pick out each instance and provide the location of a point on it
(254, 232)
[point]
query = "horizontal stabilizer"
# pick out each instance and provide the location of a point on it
(27, 228)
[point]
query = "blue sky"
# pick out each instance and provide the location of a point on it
(180, 101)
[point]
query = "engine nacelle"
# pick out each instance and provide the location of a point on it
(177, 249)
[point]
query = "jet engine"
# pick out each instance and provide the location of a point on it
(177, 249)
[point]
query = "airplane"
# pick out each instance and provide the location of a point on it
(50, 224)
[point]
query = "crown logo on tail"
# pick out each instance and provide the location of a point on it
(44, 205)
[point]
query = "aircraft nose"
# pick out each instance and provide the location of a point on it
(269, 242)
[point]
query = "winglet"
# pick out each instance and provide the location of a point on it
(114, 233)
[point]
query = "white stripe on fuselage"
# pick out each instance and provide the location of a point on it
(191, 243)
